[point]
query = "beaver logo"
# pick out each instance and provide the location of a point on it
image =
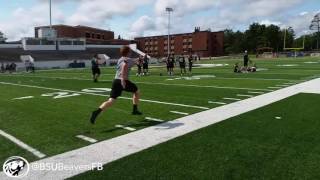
(16, 167)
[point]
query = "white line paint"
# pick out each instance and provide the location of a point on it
(154, 119)
(255, 92)
(283, 85)
(151, 83)
(125, 127)
(244, 95)
(113, 149)
(220, 103)
(177, 112)
(26, 97)
(91, 140)
(80, 92)
(233, 99)
(22, 145)
(289, 83)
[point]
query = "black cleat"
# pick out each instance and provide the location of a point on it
(94, 116)
(136, 113)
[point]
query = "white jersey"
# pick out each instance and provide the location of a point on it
(122, 60)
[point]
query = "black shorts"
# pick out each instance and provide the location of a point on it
(117, 88)
(245, 63)
(96, 71)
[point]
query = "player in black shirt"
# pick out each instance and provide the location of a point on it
(145, 65)
(245, 60)
(182, 64)
(190, 59)
(95, 68)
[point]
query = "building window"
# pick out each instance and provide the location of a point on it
(87, 35)
(103, 37)
(66, 43)
(98, 36)
(78, 43)
(92, 36)
(47, 42)
(33, 42)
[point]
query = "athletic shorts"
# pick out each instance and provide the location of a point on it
(96, 71)
(245, 63)
(117, 88)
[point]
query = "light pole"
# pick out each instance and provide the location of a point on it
(50, 13)
(169, 10)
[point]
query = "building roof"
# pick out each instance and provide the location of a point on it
(78, 26)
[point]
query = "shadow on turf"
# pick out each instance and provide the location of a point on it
(145, 123)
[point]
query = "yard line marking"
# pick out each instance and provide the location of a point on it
(282, 85)
(244, 95)
(124, 127)
(289, 83)
(167, 103)
(234, 99)
(255, 92)
(177, 112)
(116, 148)
(94, 94)
(153, 119)
(87, 138)
(26, 97)
(22, 144)
(151, 83)
(220, 103)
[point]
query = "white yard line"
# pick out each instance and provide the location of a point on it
(178, 112)
(233, 99)
(151, 83)
(154, 119)
(220, 103)
(113, 149)
(244, 95)
(22, 145)
(255, 92)
(283, 85)
(125, 127)
(26, 97)
(143, 100)
(91, 140)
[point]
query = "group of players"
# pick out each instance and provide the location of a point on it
(143, 65)
(170, 62)
(245, 68)
(8, 68)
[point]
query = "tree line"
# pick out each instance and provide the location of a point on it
(261, 36)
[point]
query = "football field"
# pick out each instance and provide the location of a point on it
(47, 113)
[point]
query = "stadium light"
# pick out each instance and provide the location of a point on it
(169, 10)
(50, 13)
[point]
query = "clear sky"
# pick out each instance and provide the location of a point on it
(131, 18)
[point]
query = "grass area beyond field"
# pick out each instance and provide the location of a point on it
(254, 145)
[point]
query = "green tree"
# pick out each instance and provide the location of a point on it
(2, 38)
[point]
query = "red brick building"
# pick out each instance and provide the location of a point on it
(202, 43)
(92, 35)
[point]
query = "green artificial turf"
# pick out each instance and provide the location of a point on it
(254, 145)
(50, 125)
